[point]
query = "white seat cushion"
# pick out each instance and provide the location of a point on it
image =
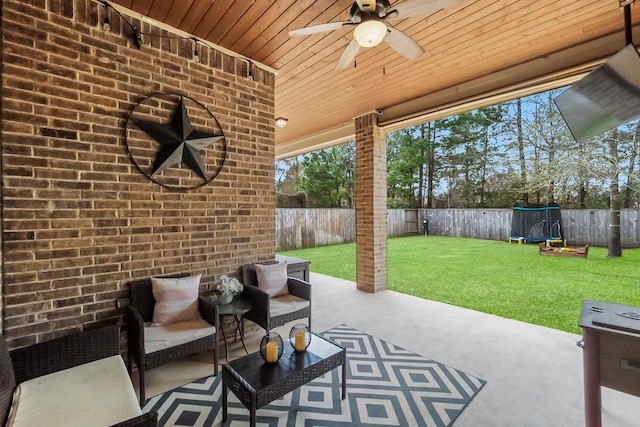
(98, 393)
(286, 304)
(158, 338)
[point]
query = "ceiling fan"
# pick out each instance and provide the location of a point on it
(370, 17)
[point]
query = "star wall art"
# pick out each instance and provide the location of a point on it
(175, 141)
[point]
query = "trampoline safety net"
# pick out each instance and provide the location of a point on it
(536, 223)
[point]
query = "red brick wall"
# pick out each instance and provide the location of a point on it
(79, 221)
(371, 205)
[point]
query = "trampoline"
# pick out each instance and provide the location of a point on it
(536, 223)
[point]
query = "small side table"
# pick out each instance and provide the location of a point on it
(236, 308)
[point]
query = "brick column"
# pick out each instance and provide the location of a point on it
(371, 205)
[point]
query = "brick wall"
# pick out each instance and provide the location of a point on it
(371, 205)
(79, 220)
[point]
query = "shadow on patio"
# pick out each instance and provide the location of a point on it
(533, 373)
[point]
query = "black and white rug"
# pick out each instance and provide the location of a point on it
(386, 386)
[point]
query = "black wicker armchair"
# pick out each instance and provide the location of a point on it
(271, 312)
(139, 315)
(65, 356)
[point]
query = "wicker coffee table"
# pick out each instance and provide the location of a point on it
(256, 383)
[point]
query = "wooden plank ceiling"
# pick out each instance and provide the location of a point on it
(473, 48)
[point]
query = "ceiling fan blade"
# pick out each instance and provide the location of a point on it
(403, 44)
(315, 29)
(410, 8)
(348, 55)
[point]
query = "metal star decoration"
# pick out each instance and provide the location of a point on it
(179, 142)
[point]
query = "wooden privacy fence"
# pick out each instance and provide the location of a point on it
(307, 228)
(579, 226)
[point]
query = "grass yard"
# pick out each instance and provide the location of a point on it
(505, 279)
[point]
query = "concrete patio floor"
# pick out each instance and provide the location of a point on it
(533, 373)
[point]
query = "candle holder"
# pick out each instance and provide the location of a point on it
(271, 347)
(300, 337)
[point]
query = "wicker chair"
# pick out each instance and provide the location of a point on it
(262, 312)
(60, 354)
(140, 311)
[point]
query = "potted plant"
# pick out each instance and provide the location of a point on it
(227, 288)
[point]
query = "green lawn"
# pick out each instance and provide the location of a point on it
(501, 278)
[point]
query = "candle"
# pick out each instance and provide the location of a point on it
(271, 355)
(299, 344)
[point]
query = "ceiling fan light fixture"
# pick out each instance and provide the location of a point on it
(370, 33)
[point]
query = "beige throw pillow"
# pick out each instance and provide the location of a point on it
(176, 299)
(272, 278)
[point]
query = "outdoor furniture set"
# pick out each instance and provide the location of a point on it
(269, 297)
(167, 318)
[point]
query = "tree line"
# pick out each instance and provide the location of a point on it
(517, 151)
(520, 151)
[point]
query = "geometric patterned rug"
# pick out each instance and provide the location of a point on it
(386, 386)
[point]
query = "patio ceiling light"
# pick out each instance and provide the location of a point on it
(370, 33)
(281, 122)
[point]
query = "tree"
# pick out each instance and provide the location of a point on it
(630, 192)
(288, 175)
(488, 118)
(614, 247)
(622, 148)
(490, 157)
(553, 167)
(408, 152)
(521, 156)
(328, 177)
(469, 153)
(432, 129)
